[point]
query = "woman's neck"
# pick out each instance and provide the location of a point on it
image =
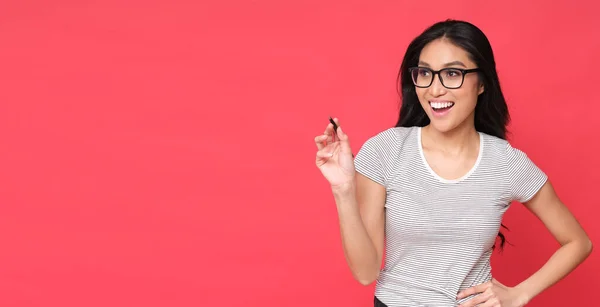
(454, 142)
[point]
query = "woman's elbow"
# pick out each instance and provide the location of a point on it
(367, 279)
(589, 246)
(366, 282)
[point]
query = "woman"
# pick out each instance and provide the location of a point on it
(434, 188)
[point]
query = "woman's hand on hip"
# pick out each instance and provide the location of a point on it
(492, 294)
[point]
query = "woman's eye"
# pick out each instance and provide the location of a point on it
(453, 73)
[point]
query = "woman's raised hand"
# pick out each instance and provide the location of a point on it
(334, 156)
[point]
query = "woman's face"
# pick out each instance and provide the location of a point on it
(447, 108)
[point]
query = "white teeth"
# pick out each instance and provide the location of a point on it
(440, 105)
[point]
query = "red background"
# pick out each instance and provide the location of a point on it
(160, 153)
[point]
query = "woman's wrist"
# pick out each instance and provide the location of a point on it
(344, 191)
(523, 296)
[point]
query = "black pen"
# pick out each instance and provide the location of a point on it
(334, 125)
(335, 128)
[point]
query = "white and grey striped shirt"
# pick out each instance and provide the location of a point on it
(440, 233)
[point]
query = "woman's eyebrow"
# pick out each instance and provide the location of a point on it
(453, 63)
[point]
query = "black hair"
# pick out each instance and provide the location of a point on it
(491, 111)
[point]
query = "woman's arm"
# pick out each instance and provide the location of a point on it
(575, 247)
(360, 206)
(575, 243)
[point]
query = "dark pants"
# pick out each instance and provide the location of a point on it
(378, 303)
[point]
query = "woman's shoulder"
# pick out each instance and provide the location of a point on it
(396, 134)
(378, 155)
(524, 176)
(501, 146)
(389, 141)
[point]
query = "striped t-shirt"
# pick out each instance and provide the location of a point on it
(440, 233)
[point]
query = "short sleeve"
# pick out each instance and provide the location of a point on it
(373, 156)
(526, 178)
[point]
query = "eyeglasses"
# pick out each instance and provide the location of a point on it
(451, 78)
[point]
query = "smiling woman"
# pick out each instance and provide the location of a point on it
(431, 192)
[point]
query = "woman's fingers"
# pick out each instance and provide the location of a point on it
(329, 133)
(320, 141)
(329, 136)
(324, 154)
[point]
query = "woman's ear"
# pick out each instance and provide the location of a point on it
(481, 88)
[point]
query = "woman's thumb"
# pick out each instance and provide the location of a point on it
(340, 132)
(344, 141)
(343, 136)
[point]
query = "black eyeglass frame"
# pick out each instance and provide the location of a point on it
(437, 72)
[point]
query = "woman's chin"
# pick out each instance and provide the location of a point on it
(442, 125)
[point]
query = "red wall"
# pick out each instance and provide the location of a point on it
(160, 153)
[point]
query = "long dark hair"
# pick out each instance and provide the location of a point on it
(491, 112)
